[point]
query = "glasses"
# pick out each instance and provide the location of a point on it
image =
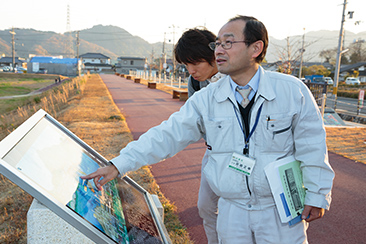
(225, 45)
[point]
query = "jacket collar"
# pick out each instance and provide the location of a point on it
(265, 89)
(224, 91)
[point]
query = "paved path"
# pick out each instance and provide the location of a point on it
(179, 176)
(345, 222)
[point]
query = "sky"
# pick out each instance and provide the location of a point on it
(154, 20)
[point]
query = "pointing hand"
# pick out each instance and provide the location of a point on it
(102, 176)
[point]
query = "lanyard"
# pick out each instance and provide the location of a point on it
(246, 139)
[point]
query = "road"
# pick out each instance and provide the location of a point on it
(345, 103)
(179, 176)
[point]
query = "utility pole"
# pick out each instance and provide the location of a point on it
(151, 62)
(173, 56)
(339, 53)
(164, 56)
(69, 45)
(13, 47)
(288, 56)
(77, 53)
(302, 53)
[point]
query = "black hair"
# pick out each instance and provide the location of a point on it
(254, 30)
(193, 47)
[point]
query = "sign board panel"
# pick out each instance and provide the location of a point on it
(46, 160)
(361, 97)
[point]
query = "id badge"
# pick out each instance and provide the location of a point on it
(241, 164)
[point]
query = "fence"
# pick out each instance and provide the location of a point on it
(159, 78)
(317, 89)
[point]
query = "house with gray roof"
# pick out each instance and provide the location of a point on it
(96, 63)
(127, 64)
(8, 61)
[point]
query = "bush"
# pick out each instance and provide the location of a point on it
(37, 100)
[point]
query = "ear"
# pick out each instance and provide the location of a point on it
(257, 48)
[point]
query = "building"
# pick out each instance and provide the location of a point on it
(96, 63)
(8, 61)
(127, 64)
(52, 65)
(348, 70)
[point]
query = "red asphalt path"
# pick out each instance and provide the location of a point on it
(179, 177)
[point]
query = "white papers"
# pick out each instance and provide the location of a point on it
(285, 179)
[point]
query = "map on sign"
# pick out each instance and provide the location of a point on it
(47, 160)
(102, 208)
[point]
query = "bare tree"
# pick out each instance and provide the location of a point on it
(329, 55)
(290, 53)
(358, 51)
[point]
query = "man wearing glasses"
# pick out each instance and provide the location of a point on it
(277, 117)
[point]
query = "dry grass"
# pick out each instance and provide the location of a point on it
(14, 206)
(348, 142)
(52, 102)
(32, 85)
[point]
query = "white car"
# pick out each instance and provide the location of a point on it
(352, 81)
(328, 80)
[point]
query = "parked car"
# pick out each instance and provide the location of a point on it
(7, 69)
(20, 70)
(42, 71)
(352, 81)
(328, 80)
(319, 80)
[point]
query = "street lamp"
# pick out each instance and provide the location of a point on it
(13, 47)
(302, 50)
(173, 56)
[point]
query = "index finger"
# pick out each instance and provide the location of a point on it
(89, 176)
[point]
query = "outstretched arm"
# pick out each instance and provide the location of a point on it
(102, 176)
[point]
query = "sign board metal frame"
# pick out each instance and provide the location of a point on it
(14, 159)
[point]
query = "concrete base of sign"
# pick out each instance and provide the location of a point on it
(44, 226)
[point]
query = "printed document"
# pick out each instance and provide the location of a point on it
(285, 179)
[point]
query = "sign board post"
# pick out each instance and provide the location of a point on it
(361, 97)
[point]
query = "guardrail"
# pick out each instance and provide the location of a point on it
(159, 79)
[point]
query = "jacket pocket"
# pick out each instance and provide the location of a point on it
(222, 180)
(219, 134)
(277, 133)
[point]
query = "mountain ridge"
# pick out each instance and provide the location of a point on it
(115, 41)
